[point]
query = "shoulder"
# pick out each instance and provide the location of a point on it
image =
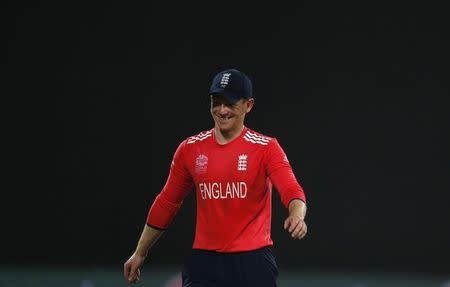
(197, 138)
(187, 144)
(258, 138)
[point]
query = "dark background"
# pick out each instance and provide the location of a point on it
(98, 97)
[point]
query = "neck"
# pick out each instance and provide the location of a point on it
(226, 137)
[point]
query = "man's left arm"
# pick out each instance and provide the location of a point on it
(292, 195)
(295, 222)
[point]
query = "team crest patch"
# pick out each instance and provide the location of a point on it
(242, 162)
(201, 163)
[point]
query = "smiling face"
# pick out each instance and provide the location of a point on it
(229, 117)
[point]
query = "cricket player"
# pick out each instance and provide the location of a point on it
(232, 170)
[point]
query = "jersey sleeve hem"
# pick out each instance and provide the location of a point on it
(304, 201)
(156, 227)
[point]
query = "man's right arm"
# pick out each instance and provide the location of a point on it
(131, 268)
(161, 213)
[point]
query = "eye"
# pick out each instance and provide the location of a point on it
(218, 102)
(215, 102)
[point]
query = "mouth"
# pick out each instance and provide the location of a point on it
(224, 119)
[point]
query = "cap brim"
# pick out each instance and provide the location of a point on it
(227, 94)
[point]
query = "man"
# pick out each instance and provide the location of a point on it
(232, 169)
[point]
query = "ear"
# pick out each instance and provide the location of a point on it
(249, 104)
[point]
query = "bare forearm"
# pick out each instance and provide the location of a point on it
(297, 208)
(148, 238)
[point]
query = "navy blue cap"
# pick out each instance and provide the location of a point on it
(233, 84)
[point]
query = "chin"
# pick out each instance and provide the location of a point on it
(225, 128)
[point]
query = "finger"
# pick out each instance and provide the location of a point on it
(286, 223)
(294, 223)
(132, 280)
(289, 224)
(302, 232)
(135, 280)
(132, 276)
(297, 231)
(126, 270)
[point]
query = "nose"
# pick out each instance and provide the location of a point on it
(223, 109)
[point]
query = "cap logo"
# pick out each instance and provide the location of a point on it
(224, 80)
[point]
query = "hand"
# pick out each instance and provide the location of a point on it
(131, 270)
(296, 226)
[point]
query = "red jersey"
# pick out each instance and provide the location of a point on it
(233, 187)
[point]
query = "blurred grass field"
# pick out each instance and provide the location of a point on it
(110, 277)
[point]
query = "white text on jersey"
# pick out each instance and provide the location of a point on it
(215, 190)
